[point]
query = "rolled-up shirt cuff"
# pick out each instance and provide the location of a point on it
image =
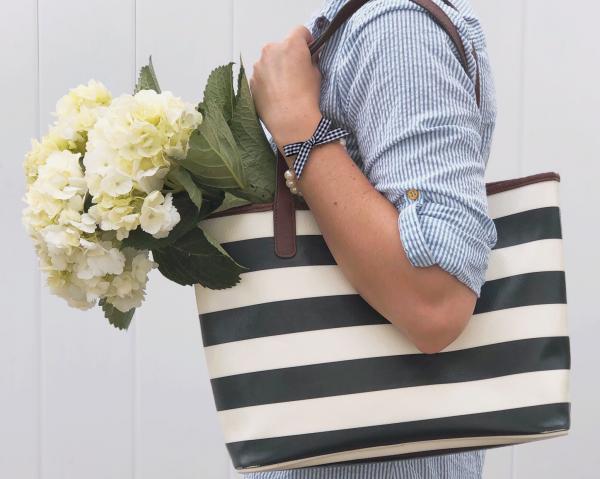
(429, 241)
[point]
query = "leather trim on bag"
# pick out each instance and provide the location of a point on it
(491, 189)
(516, 426)
(284, 214)
(506, 185)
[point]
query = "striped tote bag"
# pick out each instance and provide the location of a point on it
(311, 374)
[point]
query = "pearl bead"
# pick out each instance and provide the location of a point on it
(291, 182)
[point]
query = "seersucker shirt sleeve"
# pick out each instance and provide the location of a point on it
(412, 108)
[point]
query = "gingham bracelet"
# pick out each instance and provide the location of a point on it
(321, 136)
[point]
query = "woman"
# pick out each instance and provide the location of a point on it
(402, 206)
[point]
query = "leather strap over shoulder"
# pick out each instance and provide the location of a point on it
(444, 21)
(340, 18)
(438, 14)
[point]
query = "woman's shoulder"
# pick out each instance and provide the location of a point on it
(460, 13)
(401, 38)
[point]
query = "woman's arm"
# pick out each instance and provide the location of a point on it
(360, 227)
(359, 224)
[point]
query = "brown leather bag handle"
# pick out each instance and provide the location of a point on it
(284, 216)
(340, 18)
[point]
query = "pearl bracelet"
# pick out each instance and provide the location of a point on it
(291, 180)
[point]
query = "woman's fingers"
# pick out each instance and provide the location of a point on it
(302, 36)
(301, 32)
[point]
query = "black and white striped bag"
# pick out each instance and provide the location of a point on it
(311, 374)
(304, 372)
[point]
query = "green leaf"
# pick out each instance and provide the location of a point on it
(117, 318)
(213, 157)
(213, 199)
(184, 179)
(219, 93)
(257, 156)
(231, 201)
(147, 79)
(198, 259)
(190, 216)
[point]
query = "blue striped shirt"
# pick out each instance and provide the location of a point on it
(462, 465)
(392, 78)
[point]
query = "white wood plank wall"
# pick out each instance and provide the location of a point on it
(79, 399)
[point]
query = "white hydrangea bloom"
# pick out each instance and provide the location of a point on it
(59, 244)
(159, 216)
(96, 176)
(57, 195)
(92, 270)
(129, 154)
(78, 111)
(40, 151)
(74, 292)
(120, 214)
(98, 259)
(128, 289)
(81, 262)
(130, 146)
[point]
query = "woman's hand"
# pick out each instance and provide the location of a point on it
(286, 87)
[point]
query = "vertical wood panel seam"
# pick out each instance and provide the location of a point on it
(136, 360)
(512, 462)
(522, 83)
(37, 289)
(232, 28)
(521, 146)
(230, 473)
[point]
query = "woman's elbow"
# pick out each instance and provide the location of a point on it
(435, 326)
(434, 337)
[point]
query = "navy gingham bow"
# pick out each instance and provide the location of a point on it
(321, 136)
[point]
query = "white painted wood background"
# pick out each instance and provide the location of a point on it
(81, 400)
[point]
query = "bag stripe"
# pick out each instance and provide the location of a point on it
(546, 287)
(297, 316)
(286, 317)
(527, 226)
(380, 373)
(257, 254)
(540, 287)
(519, 229)
(227, 229)
(520, 421)
(360, 342)
(409, 404)
(538, 195)
(544, 255)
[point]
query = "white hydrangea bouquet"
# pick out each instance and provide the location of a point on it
(118, 185)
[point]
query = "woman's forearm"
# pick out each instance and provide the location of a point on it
(360, 227)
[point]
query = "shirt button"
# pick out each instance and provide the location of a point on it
(413, 194)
